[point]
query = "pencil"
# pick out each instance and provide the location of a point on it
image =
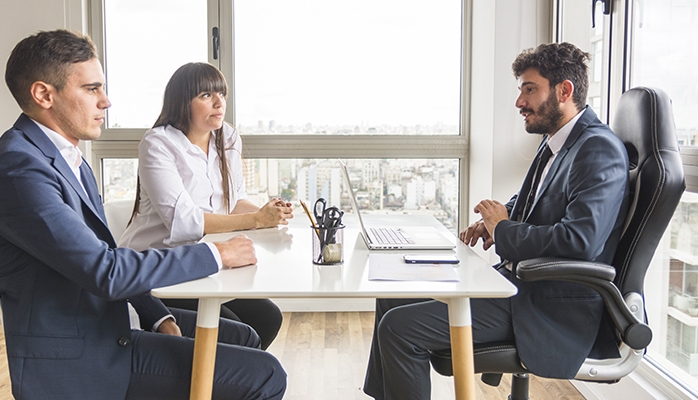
(312, 220)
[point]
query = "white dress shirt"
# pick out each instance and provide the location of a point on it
(556, 142)
(179, 183)
(71, 154)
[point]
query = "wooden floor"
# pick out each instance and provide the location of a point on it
(325, 357)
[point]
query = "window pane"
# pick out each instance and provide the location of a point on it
(673, 305)
(146, 41)
(119, 177)
(664, 55)
(578, 30)
(386, 186)
(364, 67)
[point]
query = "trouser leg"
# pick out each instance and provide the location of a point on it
(373, 382)
(405, 332)
(263, 315)
(161, 365)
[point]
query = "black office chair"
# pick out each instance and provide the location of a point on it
(645, 123)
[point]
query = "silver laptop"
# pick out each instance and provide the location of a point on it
(391, 238)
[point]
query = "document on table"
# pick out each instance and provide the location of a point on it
(391, 267)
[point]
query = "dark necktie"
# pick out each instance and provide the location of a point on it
(541, 162)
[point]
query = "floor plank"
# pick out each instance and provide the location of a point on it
(325, 357)
(337, 368)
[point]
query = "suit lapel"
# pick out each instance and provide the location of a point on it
(88, 180)
(582, 123)
(43, 143)
(526, 187)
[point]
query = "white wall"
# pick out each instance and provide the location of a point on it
(500, 149)
(21, 18)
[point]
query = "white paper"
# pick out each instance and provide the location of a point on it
(391, 267)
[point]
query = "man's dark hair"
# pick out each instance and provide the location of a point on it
(46, 57)
(558, 62)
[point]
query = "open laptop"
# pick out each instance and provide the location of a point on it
(391, 238)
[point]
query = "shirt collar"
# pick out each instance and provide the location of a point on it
(180, 140)
(71, 154)
(560, 137)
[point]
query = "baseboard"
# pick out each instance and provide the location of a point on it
(645, 383)
(325, 305)
(627, 388)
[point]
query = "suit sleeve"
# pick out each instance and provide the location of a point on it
(41, 216)
(150, 309)
(584, 209)
(510, 204)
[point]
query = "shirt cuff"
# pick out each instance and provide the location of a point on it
(216, 254)
(157, 324)
(187, 223)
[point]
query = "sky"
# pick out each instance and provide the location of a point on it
(394, 62)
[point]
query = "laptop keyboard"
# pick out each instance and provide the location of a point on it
(390, 236)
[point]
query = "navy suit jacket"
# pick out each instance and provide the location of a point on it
(63, 283)
(579, 214)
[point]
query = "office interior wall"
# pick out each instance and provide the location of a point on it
(500, 149)
(21, 18)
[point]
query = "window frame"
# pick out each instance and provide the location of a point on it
(123, 143)
(619, 80)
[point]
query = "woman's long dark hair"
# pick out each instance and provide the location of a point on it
(186, 83)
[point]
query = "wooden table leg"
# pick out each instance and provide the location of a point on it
(205, 342)
(462, 347)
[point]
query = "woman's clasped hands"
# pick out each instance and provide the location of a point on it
(275, 212)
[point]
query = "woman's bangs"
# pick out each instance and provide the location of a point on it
(211, 80)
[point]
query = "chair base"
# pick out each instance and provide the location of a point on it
(519, 387)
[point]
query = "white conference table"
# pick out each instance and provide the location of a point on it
(284, 269)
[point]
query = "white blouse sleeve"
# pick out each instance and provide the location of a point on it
(236, 166)
(161, 181)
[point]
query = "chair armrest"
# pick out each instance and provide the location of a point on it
(599, 277)
(537, 269)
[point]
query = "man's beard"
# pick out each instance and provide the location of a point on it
(549, 116)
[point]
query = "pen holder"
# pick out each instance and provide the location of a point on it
(328, 245)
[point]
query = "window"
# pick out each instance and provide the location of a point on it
(168, 33)
(575, 26)
(119, 178)
(365, 80)
(385, 186)
(663, 54)
(361, 67)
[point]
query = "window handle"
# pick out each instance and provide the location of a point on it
(606, 10)
(215, 42)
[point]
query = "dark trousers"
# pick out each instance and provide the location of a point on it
(261, 314)
(162, 364)
(404, 332)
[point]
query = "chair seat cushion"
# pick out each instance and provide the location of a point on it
(498, 357)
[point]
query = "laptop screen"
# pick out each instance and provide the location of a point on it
(352, 196)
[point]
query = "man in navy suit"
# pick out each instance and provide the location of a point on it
(575, 208)
(66, 289)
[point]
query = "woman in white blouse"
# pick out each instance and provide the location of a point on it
(191, 184)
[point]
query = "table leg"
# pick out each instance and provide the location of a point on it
(462, 347)
(205, 343)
